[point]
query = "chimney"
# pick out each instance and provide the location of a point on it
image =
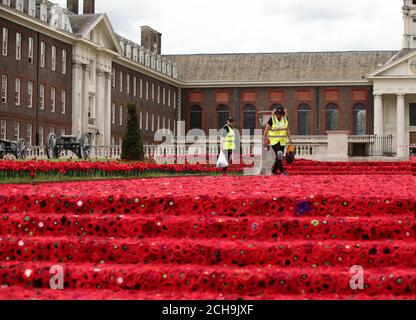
(89, 6)
(73, 6)
(151, 39)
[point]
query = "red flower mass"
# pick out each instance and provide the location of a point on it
(210, 237)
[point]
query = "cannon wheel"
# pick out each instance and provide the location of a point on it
(85, 146)
(21, 149)
(51, 142)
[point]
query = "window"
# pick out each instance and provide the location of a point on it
(304, 120)
(64, 61)
(222, 116)
(63, 101)
(141, 120)
(30, 94)
(91, 113)
(113, 113)
(174, 100)
(113, 140)
(3, 130)
(158, 94)
(91, 71)
(42, 96)
(53, 58)
(128, 83)
(42, 54)
(195, 117)
(53, 99)
(41, 135)
(153, 122)
(147, 121)
(360, 120)
(147, 90)
(121, 115)
(30, 49)
(134, 86)
(5, 42)
(332, 117)
(168, 98)
(158, 122)
(16, 131)
(121, 81)
(17, 92)
(113, 78)
(141, 88)
(19, 5)
(153, 92)
(164, 96)
(29, 134)
(32, 8)
(249, 121)
(413, 115)
(18, 46)
(4, 85)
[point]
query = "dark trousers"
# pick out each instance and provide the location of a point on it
(278, 165)
(229, 156)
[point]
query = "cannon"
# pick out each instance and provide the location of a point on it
(55, 146)
(15, 148)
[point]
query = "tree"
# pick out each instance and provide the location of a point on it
(132, 147)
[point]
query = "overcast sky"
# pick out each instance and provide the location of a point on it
(223, 26)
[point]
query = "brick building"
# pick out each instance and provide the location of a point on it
(80, 75)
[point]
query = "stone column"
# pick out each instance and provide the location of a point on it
(76, 98)
(100, 106)
(107, 110)
(402, 150)
(378, 115)
(85, 99)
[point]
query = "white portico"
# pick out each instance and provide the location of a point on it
(395, 89)
(92, 66)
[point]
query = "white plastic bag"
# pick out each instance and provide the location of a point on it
(222, 161)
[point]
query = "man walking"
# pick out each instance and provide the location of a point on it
(276, 135)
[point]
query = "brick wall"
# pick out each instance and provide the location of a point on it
(27, 71)
(344, 97)
(150, 106)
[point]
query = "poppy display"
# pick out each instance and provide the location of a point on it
(211, 238)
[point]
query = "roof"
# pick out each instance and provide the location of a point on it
(81, 23)
(268, 67)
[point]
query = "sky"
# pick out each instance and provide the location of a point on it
(234, 26)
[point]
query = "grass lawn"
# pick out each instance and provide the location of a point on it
(63, 178)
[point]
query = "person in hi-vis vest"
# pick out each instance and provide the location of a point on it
(228, 141)
(276, 135)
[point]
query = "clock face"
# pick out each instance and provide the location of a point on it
(412, 66)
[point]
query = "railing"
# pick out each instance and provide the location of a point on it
(309, 147)
(97, 152)
(375, 145)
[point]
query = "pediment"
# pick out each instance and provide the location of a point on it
(404, 66)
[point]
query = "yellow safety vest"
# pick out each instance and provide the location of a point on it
(278, 131)
(229, 140)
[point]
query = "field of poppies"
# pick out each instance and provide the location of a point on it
(208, 237)
(33, 171)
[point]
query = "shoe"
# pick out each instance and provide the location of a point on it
(284, 174)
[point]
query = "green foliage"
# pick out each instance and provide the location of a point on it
(132, 147)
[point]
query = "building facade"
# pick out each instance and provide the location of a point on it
(70, 73)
